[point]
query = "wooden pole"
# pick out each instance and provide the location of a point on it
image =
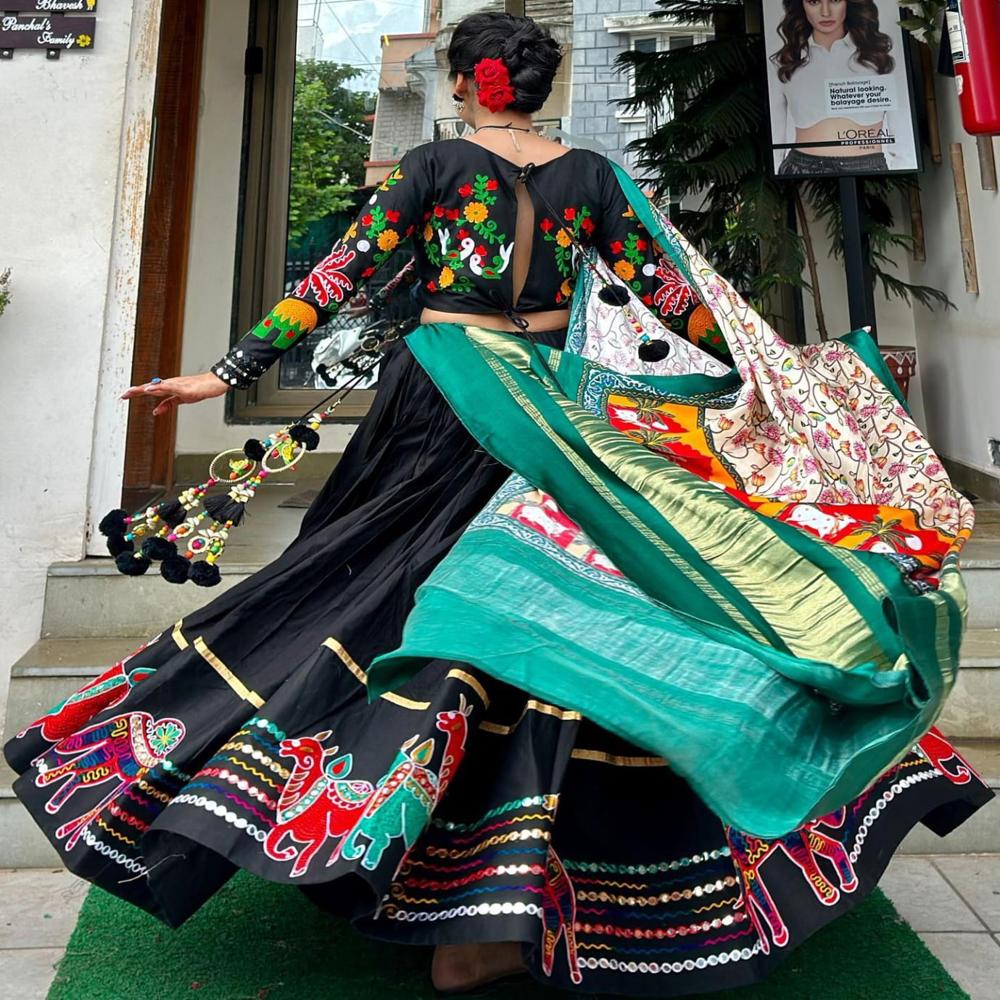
(987, 163)
(800, 211)
(930, 99)
(917, 223)
(967, 242)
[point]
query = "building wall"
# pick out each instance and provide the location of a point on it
(68, 139)
(399, 124)
(597, 83)
(959, 350)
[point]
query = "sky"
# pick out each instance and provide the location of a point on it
(355, 39)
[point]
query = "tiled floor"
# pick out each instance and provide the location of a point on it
(952, 901)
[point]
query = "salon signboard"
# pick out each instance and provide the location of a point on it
(838, 88)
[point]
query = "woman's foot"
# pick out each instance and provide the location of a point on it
(457, 968)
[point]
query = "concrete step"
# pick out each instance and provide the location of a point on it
(22, 845)
(972, 710)
(981, 570)
(91, 598)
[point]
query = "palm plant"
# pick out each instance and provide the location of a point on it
(710, 141)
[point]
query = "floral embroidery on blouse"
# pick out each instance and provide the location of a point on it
(477, 248)
(327, 281)
(576, 226)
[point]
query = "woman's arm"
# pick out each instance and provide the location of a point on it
(390, 217)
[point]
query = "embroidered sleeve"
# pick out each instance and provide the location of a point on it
(390, 217)
(639, 261)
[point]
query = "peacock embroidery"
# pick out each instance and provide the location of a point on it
(104, 692)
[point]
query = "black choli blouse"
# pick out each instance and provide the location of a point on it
(456, 202)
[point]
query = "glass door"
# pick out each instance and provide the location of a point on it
(307, 137)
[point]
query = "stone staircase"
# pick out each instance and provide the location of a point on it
(93, 616)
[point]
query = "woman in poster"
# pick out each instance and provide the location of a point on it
(834, 89)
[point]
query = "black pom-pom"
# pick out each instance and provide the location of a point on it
(131, 565)
(254, 450)
(654, 350)
(301, 434)
(113, 523)
(204, 574)
(157, 548)
(614, 295)
(174, 569)
(172, 512)
(224, 508)
(118, 544)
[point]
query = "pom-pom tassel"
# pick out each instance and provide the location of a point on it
(204, 574)
(254, 450)
(654, 350)
(304, 435)
(172, 512)
(614, 295)
(117, 544)
(158, 548)
(131, 564)
(224, 508)
(113, 523)
(175, 569)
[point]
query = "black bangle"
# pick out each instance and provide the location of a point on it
(238, 369)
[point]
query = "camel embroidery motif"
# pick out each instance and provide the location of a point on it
(940, 752)
(558, 916)
(804, 847)
(317, 802)
(407, 793)
(104, 692)
(120, 751)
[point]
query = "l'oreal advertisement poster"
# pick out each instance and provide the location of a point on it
(838, 90)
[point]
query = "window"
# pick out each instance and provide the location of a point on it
(267, 266)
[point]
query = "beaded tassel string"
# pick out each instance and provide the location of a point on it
(202, 526)
(614, 294)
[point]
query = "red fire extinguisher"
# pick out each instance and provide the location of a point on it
(974, 37)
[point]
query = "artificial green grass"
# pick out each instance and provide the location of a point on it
(258, 941)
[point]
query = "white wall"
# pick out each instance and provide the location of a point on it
(895, 318)
(67, 140)
(212, 253)
(959, 351)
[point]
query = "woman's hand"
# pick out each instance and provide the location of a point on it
(183, 389)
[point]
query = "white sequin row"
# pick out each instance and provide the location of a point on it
(881, 802)
(113, 854)
(223, 812)
(478, 910)
(665, 968)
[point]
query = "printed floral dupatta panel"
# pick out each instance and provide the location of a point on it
(749, 571)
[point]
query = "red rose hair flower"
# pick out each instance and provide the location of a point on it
(493, 84)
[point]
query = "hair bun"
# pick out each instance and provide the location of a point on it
(531, 54)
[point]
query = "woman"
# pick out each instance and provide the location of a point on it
(454, 809)
(828, 41)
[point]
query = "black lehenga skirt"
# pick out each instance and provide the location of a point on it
(455, 809)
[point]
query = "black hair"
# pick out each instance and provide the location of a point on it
(530, 53)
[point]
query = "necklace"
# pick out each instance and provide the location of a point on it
(510, 129)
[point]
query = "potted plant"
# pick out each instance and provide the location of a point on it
(754, 228)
